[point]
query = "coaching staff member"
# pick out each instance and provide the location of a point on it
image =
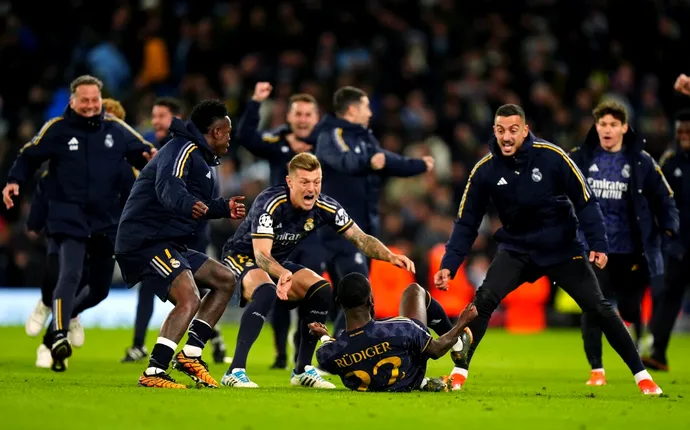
(537, 190)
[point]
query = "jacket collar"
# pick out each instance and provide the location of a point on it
(188, 130)
(91, 123)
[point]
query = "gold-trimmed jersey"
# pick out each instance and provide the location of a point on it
(384, 355)
(272, 216)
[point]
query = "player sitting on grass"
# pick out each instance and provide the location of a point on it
(278, 220)
(388, 354)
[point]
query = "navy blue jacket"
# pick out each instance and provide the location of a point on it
(534, 193)
(345, 150)
(159, 208)
(270, 145)
(85, 170)
(675, 165)
(38, 214)
(652, 204)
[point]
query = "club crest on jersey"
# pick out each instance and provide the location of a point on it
(536, 175)
(109, 142)
(626, 171)
(174, 263)
(309, 225)
(677, 173)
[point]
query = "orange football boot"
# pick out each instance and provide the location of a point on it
(160, 380)
(649, 387)
(597, 378)
(195, 368)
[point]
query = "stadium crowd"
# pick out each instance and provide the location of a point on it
(435, 71)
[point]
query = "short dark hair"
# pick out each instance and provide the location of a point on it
(682, 115)
(206, 113)
(171, 103)
(345, 97)
(85, 80)
(613, 108)
(354, 291)
(510, 110)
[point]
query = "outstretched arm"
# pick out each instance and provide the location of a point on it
(373, 248)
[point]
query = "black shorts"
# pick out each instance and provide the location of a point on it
(158, 265)
(241, 264)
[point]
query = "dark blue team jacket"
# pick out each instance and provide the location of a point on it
(159, 208)
(652, 205)
(85, 170)
(345, 150)
(675, 165)
(537, 194)
(38, 214)
(270, 145)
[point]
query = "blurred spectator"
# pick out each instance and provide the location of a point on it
(435, 71)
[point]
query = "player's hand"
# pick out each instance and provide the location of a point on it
(403, 262)
(284, 285)
(297, 145)
(317, 329)
(429, 160)
(149, 155)
(198, 210)
(378, 161)
(598, 258)
(441, 279)
(237, 209)
(7, 193)
(33, 235)
(261, 91)
(467, 315)
(682, 84)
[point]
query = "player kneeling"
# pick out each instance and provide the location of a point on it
(278, 220)
(389, 354)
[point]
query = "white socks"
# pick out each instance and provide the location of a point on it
(641, 376)
(459, 371)
(192, 351)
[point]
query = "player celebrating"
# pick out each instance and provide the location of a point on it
(169, 199)
(637, 204)
(278, 220)
(278, 146)
(537, 190)
(389, 354)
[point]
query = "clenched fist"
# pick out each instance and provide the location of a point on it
(261, 91)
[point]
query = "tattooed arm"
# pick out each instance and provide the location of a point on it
(369, 245)
(373, 248)
(264, 259)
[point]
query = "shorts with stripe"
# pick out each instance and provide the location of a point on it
(241, 264)
(159, 265)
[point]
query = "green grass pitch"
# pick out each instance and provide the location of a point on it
(530, 381)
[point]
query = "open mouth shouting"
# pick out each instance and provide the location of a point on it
(309, 198)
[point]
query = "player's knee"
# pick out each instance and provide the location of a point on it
(486, 302)
(224, 280)
(602, 308)
(415, 290)
(190, 304)
(316, 302)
